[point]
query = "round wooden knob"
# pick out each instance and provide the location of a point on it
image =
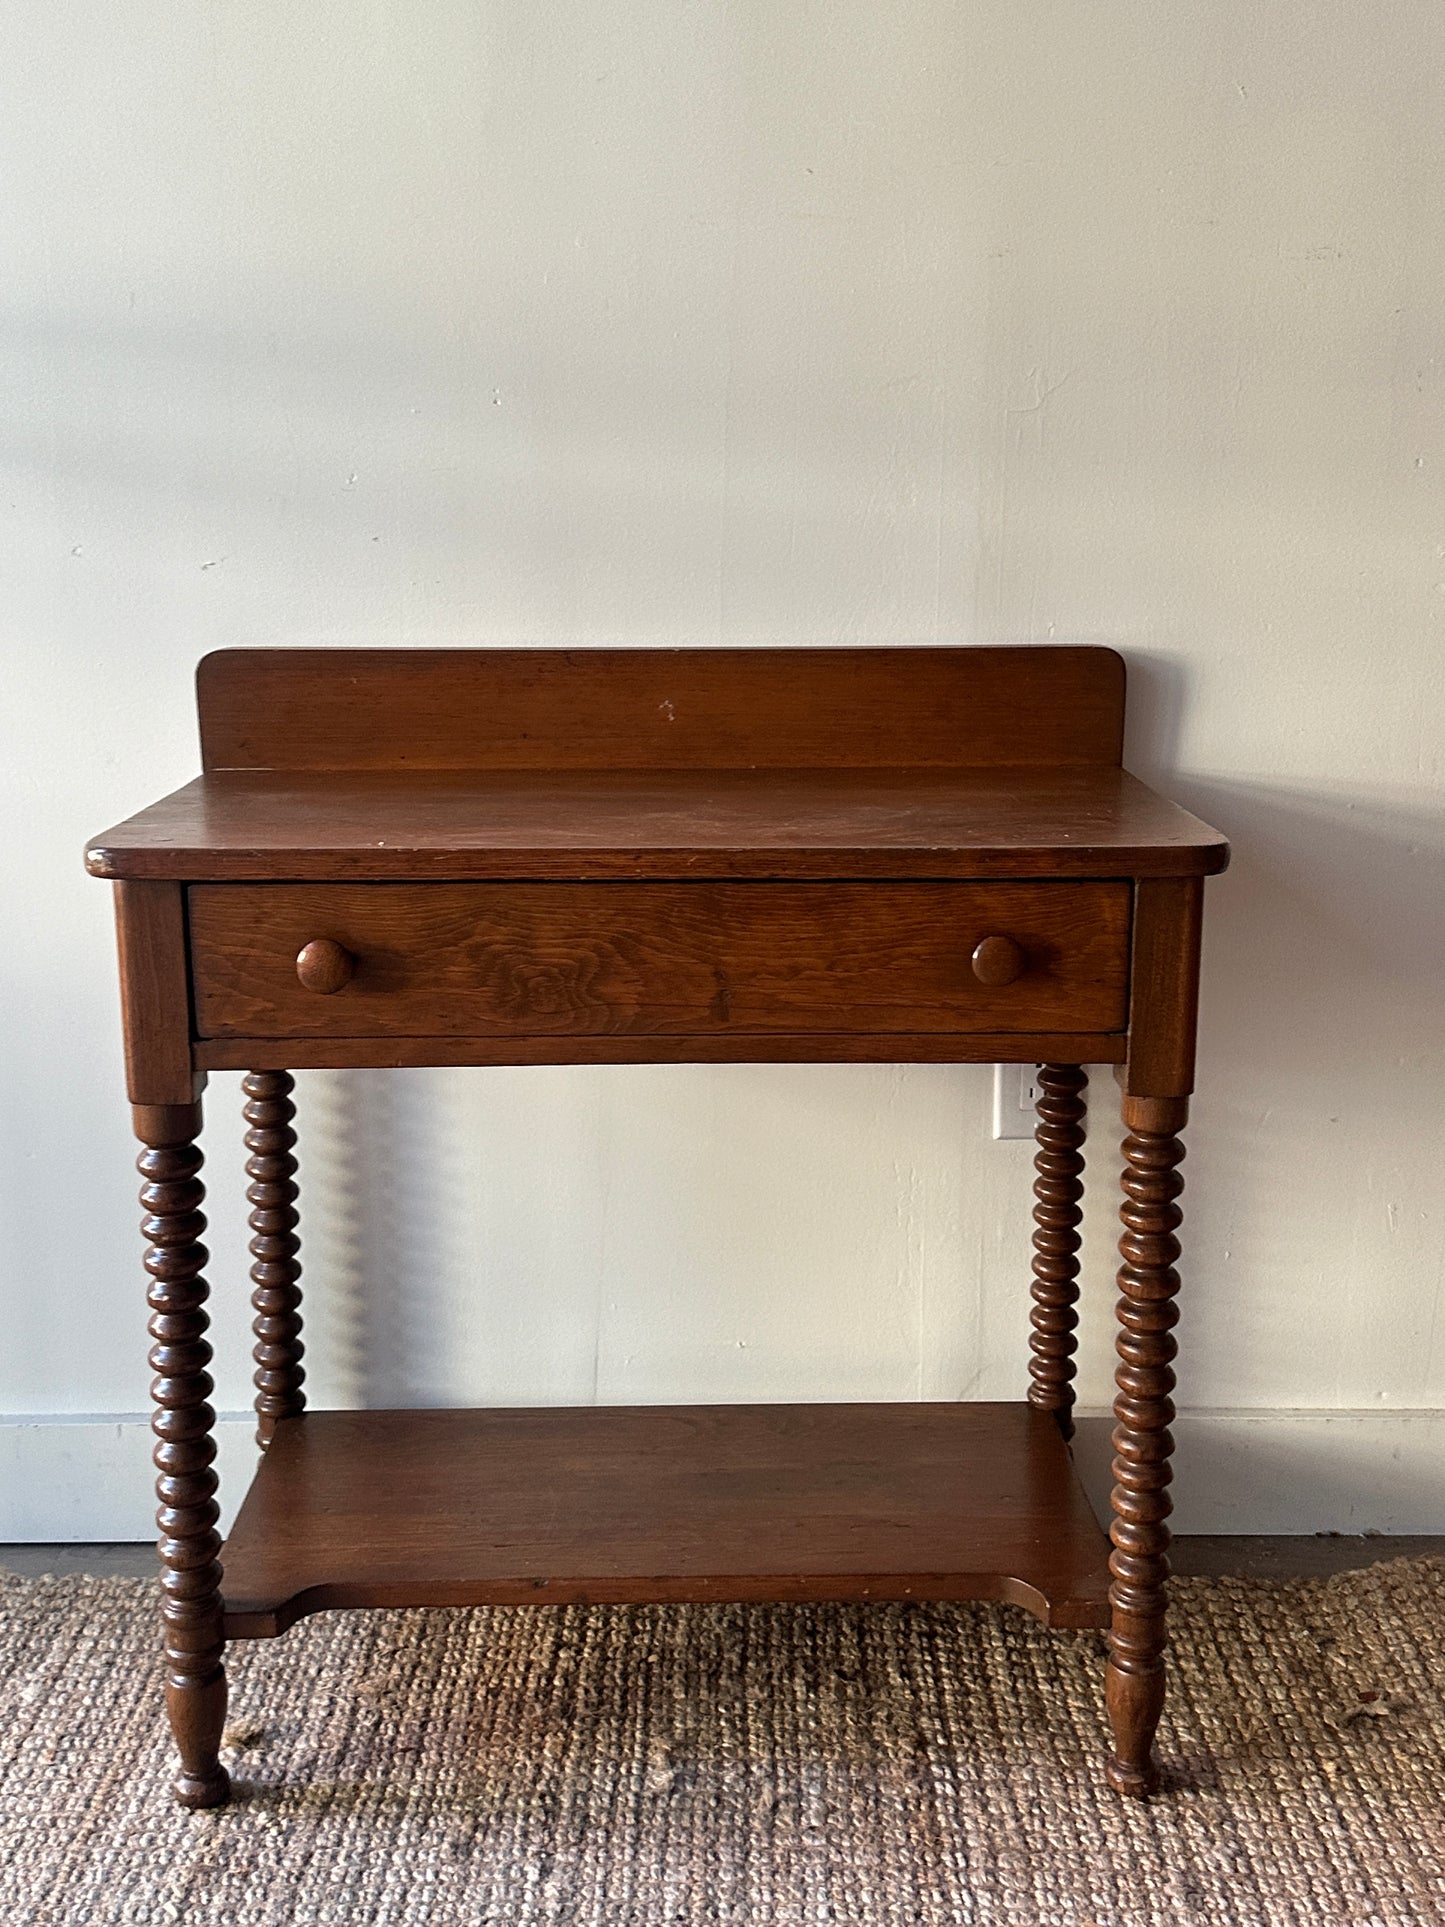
(997, 960)
(325, 966)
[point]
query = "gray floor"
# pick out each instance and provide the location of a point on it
(1311, 1557)
(1251, 1557)
(100, 1561)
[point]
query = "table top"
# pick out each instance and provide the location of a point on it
(360, 825)
(368, 764)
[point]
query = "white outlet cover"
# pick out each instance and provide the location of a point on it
(1015, 1094)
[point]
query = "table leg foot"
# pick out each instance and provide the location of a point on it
(198, 1716)
(1135, 1702)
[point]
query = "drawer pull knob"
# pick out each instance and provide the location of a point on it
(324, 966)
(997, 961)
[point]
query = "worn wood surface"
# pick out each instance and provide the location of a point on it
(549, 709)
(771, 1502)
(717, 1047)
(300, 826)
(552, 856)
(1164, 987)
(150, 929)
(1276, 1556)
(526, 960)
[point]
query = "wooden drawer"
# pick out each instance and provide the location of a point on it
(659, 959)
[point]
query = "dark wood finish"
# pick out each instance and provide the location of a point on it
(526, 960)
(195, 1682)
(302, 826)
(1143, 1412)
(629, 709)
(811, 1047)
(998, 960)
(1192, 1555)
(777, 1502)
(624, 856)
(1058, 1199)
(324, 967)
(275, 1266)
(1164, 987)
(150, 929)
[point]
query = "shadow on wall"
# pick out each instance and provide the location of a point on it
(1322, 1027)
(1330, 921)
(377, 1209)
(570, 1234)
(1331, 885)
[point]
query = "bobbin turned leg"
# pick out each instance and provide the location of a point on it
(1058, 1192)
(275, 1272)
(1143, 1410)
(172, 1195)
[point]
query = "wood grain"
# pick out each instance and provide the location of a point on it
(298, 826)
(150, 928)
(1164, 987)
(323, 966)
(774, 1502)
(721, 1047)
(631, 856)
(527, 709)
(512, 960)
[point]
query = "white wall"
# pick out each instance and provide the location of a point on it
(725, 322)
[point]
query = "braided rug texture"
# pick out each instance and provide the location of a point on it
(914, 1766)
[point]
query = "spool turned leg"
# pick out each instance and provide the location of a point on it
(1143, 1411)
(1058, 1195)
(275, 1271)
(195, 1683)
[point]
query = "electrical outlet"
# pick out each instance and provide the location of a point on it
(1015, 1095)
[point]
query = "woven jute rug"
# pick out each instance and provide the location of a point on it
(738, 1766)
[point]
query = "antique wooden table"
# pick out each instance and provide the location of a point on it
(615, 856)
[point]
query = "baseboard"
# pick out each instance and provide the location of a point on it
(1272, 1472)
(89, 1476)
(1286, 1472)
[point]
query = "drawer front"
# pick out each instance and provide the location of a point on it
(655, 959)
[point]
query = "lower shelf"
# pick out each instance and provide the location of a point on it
(668, 1503)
